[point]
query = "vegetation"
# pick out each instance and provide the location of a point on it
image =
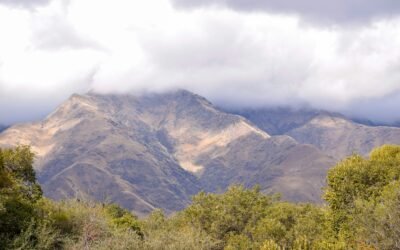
(362, 211)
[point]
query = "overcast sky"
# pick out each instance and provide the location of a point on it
(339, 55)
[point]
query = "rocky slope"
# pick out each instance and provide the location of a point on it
(332, 133)
(341, 137)
(156, 150)
(84, 150)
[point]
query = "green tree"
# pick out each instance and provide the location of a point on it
(224, 215)
(359, 179)
(19, 191)
(378, 221)
(291, 226)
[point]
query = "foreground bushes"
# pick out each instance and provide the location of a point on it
(362, 212)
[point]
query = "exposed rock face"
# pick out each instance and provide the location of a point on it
(156, 150)
(332, 133)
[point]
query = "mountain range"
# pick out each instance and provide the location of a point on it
(332, 133)
(157, 150)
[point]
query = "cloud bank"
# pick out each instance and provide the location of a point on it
(233, 57)
(320, 12)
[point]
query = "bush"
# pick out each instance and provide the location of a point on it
(358, 192)
(363, 212)
(19, 193)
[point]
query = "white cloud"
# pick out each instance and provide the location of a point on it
(234, 58)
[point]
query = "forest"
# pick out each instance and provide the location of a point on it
(361, 210)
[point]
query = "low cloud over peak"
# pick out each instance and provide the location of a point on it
(234, 58)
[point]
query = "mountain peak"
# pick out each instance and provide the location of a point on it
(125, 144)
(155, 150)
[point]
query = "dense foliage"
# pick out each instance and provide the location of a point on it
(362, 211)
(19, 193)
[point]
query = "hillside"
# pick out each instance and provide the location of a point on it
(157, 150)
(334, 134)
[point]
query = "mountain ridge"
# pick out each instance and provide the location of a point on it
(333, 133)
(157, 150)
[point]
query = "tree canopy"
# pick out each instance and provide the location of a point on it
(362, 211)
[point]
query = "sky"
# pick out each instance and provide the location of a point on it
(342, 55)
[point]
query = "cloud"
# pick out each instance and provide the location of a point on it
(258, 60)
(54, 33)
(43, 59)
(339, 11)
(44, 84)
(234, 58)
(383, 109)
(29, 4)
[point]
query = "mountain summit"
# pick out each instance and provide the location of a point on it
(157, 150)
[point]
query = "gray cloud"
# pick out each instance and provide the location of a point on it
(235, 59)
(29, 4)
(384, 109)
(33, 106)
(339, 11)
(237, 63)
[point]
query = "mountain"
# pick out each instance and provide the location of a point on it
(342, 137)
(156, 150)
(278, 121)
(3, 127)
(334, 134)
